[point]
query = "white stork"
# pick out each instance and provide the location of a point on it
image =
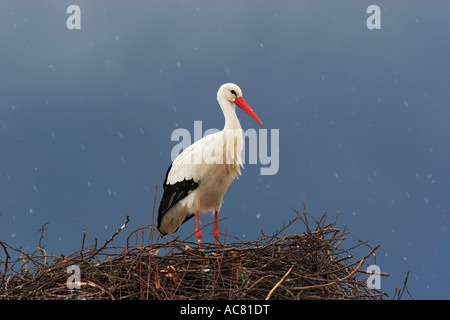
(199, 177)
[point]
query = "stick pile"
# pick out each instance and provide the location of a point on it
(310, 265)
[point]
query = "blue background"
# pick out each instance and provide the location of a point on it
(363, 115)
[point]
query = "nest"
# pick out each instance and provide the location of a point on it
(310, 265)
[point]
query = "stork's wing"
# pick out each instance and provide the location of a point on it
(174, 193)
(186, 172)
(189, 165)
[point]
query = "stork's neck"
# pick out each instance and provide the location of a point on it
(231, 119)
(233, 139)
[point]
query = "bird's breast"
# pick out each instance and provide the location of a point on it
(211, 191)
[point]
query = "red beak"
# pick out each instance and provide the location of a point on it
(244, 106)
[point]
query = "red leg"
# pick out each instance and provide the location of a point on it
(198, 232)
(216, 226)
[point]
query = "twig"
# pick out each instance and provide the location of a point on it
(111, 238)
(279, 282)
(6, 260)
(331, 283)
(404, 288)
(151, 239)
(82, 243)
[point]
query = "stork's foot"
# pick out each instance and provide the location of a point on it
(216, 235)
(198, 232)
(199, 240)
(216, 227)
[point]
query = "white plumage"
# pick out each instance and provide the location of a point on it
(198, 178)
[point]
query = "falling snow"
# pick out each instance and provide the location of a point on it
(399, 118)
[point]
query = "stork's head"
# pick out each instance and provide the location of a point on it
(232, 93)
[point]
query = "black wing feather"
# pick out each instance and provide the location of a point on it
(174, 193)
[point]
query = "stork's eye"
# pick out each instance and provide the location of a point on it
(233, 92)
